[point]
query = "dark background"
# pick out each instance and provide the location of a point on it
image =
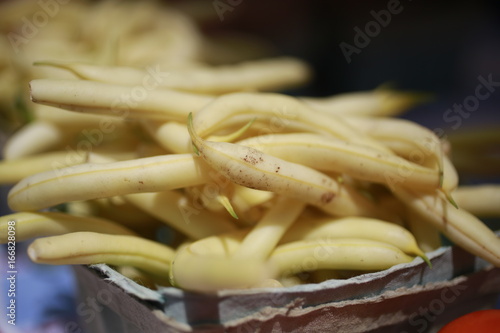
(435, 46)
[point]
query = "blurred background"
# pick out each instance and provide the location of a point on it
(438, 47)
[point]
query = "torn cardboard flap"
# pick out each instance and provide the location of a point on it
(405, 298)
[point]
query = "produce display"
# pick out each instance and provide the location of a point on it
(135, 148)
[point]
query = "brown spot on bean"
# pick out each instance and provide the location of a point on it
(253, 157)
(327, 197)
(250, 159)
